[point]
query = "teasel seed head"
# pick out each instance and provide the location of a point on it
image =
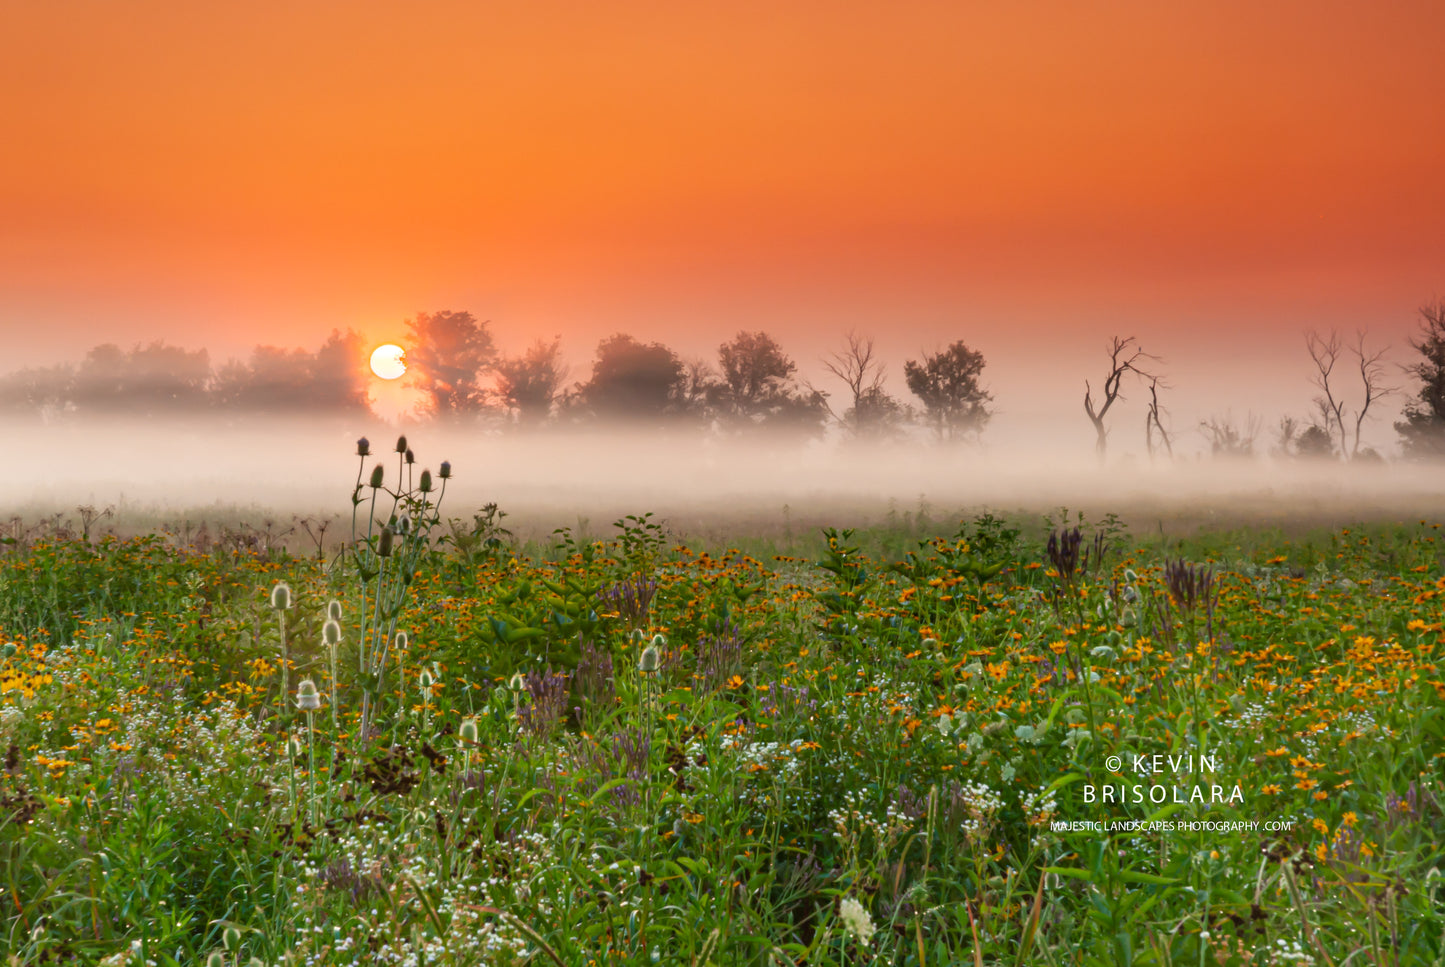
(446, 470)
(231, 936)
(293, 746)
(401, 444)
(333, 610)
(363, 447)
(401, 640)
(467, 731)
(426, 481)
(388, 537)
(410, 457)
(648, 662)
(331, 633)
(424, 682)
(281, 596)
(216, 959)
(377, 476)
(308, 699)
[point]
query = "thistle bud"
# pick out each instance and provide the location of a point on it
(281, 596)
(517, 682)
(388, 537)
(637, 637)
(231, 936)
(377, 475)
(401, 640)
(401, 444)
(410, 458)
(333, 610)
(658, 641)
(424, 682)
(446, 470)
(331, 633)
(216, 959)
(363, 447)
(467, 731)
(308, 699)
(648, 662)
(426, 481)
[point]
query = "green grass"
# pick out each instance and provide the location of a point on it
(910, 725)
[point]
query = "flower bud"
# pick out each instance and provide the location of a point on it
(446, 470)
(467, 731)
(426, 481)
(331, 633)
(401, 640)
(517, 683)
(658, 641)
(1129, 575)
(308, 699)
(377, 475)
(424, 682)
(280, 596)
(231, 936)
(388, 537)
(8, 651)
(638, 636)
(333, 610)
(410, 458)
(363, 447)
(648, 662)
(216, 959)
(401, 444)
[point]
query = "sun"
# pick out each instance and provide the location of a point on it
(388, 361)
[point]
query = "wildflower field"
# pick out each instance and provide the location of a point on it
(1014, 742)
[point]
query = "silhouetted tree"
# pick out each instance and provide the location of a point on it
(1229, 440)
(528, 384)
(1124, 357)
(632, 381)
(757, 388)
(149, 380)
(339, 373)
(872, 413)
(279, 380)
(876, 415)
(449, 353)
(1422, 431)
(44, 393)
(1154, 423)
(947, 383)
(1298, 441)
(1326, 353)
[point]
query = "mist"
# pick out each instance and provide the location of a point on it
(700, 486)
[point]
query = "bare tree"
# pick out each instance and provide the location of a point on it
(1327, 353)
(1124, 357)
(872, 410)
(1154, 424)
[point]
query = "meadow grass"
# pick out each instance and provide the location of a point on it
(1059, 739)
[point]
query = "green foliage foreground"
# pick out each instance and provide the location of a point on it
(987, 751)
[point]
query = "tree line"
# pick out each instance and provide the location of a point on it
(462, 378)
(752, 385)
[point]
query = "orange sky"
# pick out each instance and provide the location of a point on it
(1032, 177)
